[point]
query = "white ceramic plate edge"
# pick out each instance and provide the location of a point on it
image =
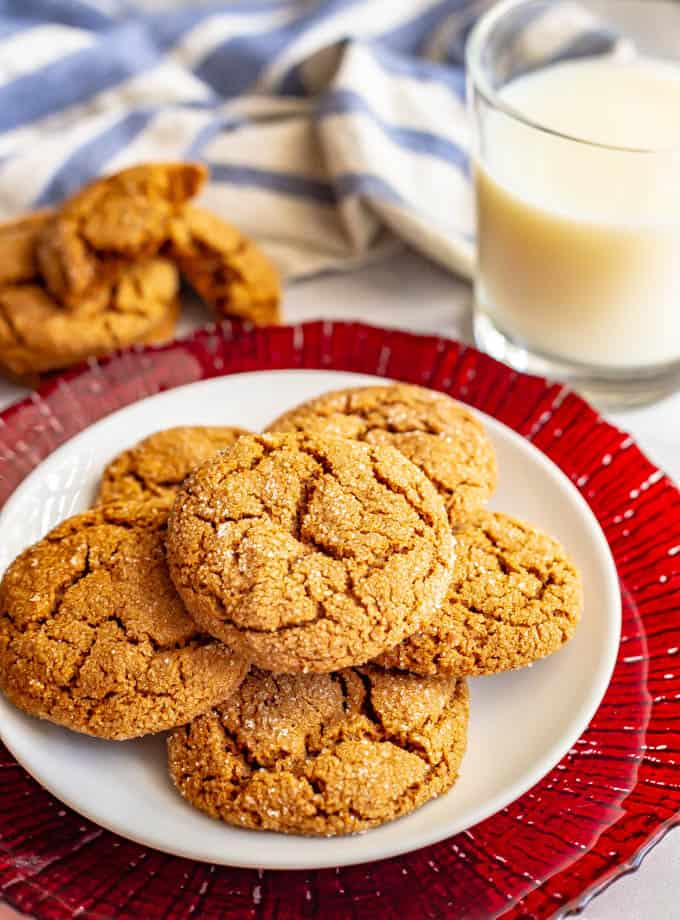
(578, 723)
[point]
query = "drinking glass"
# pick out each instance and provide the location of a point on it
(578, 267)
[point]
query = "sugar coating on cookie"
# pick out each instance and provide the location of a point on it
(515, 597)
(37, 333)
(309, 553)
(157, 466)
(323, 754)
(437, 433)
(111, 222)
(228, 270)
(93, 635)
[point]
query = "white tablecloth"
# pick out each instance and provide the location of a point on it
(410, 293)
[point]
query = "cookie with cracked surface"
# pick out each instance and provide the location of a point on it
(157, 466)
(113, 221)
(438, 434)
(38, 335)
(323, 754)
(515, 597)
(309, 553)
(228, 270)
(93, 635)
(17, 247)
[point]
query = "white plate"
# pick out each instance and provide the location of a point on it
(521, 723)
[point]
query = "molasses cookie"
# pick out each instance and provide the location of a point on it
(112, 222)
(323, 754)
(438, 434)
(93, 635)
(37, 334)
(309, 553)
(226, 269)
(157, 466)
(515, 597)
(17, 247)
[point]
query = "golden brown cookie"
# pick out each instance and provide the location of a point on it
(225, 268)
(438, 434)
(309, 553)
(515, 597)
(113, 221)
(323, 754)
(38, 335)
(17, 247)
(93, 635)
(157, 466)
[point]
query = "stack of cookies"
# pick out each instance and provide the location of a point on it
(301, 608)
(103, 270)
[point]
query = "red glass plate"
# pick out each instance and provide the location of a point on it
(587, 822)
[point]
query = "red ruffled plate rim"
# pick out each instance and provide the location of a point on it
(589, 821)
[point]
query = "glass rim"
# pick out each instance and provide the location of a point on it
(475, 75)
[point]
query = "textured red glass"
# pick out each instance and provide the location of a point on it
(588, 821)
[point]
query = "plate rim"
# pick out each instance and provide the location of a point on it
(577, 724)
(351, 345)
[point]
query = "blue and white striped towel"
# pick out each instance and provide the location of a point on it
(331, 128)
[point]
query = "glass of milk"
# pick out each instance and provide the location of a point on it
(576, 112)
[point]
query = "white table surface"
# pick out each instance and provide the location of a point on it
(410, 293)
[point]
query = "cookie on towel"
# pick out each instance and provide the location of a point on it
(112, 222)
(17, 247)
(37, 334)
(228, 270)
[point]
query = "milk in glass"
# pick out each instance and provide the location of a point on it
(579, 240)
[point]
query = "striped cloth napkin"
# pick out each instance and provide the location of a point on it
(332, 129)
